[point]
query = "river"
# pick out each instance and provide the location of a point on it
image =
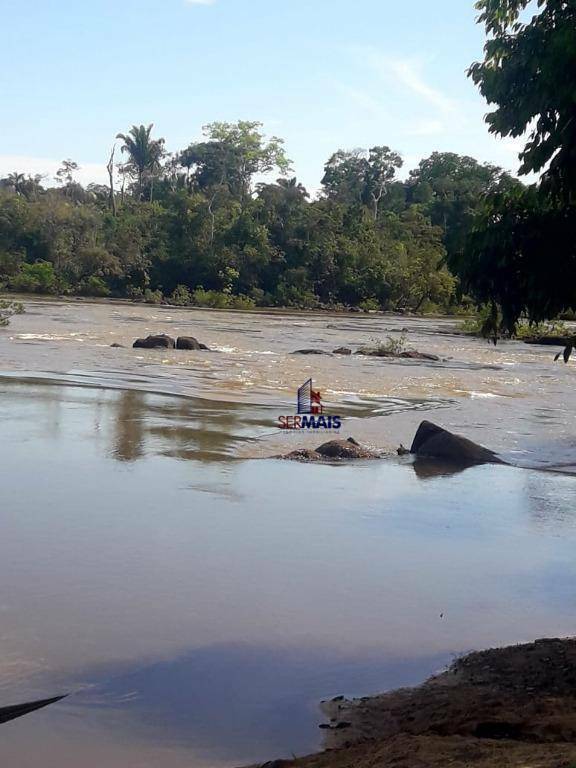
(198, 598)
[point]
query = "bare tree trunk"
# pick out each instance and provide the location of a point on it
(377, 198)
(212, 221)
(110, 168)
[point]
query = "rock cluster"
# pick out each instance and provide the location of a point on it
(334, 450)
(162, 341)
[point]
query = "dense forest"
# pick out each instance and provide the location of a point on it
(200, 226)
(205, 226)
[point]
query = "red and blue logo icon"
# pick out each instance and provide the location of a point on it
(311, 413)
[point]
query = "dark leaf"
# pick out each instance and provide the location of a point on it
(11, 713)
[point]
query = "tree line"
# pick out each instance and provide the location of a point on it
(203, 225)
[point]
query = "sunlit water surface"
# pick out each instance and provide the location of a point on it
(199, 601)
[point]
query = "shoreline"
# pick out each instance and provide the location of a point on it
(355, 312)
(512, 707)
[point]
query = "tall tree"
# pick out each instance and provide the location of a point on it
(65, 176)
(145, 155)
(529, 74)
(361, 176)
(451, 189)
(232, 155)
(110, 169)
(521, 256)
(16, 181)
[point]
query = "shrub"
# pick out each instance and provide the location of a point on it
(221, 300)
(392, 346)
(9, 308)
(242, 302)
(93, 286)
(181, 296)
(153, 297)
(135, 293)
(294, 296)
(554, 328)
(370, 305)
(35, 278)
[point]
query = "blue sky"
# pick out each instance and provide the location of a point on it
(322, 74)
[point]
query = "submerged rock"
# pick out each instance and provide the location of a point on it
(334, 450)
(189, 342)
(435, 442)
(342, 351)
(310, 352)
(410, 354)
(161, 341)
(345, 449)
(117, 346)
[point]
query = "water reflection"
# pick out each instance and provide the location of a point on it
(129, 426)
(243, 703)
(134, 423)
(208, 604)
(431, 469)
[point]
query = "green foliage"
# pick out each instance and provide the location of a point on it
(391, 346)
(197, 227)
(38, 277)
(152, 297)
(181, 296)
(221, 300)
(361, 177)
(9, 308)
(541, 330)
(369, 305)
(529, 73)
(450, 189)
(519, 256)
(93, 286)
(144, 154)
(231, 156)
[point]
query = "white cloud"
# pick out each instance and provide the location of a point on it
(407, 74)
(89, 172)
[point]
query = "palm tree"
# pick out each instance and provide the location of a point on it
(16, 180)
(144, 153)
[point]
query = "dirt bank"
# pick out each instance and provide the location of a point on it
(510, 707)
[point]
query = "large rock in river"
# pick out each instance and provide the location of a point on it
(161, 341)
(334, 450)
(435, 442)
(189, 342)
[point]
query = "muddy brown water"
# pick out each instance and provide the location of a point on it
(198, 599)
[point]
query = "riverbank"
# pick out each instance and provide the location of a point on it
(512, 707)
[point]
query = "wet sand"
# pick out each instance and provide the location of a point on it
(511, 707)
(199, 604)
